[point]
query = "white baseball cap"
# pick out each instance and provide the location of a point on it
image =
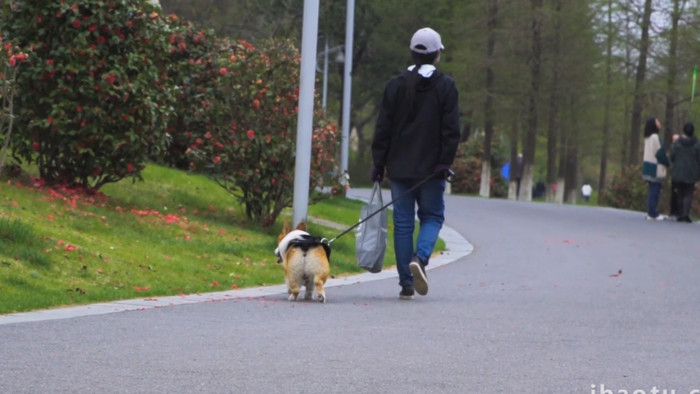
(426, 40)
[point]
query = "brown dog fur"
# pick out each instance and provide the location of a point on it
(309, 268)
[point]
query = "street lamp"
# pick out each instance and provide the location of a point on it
(339, 59)
(302, 167)
(347, 90)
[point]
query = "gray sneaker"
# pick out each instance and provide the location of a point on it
(420, 280)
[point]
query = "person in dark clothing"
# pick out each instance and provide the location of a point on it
(517, 171)
(674, 211)
(685, 161)
(416, 138)
(539, 190)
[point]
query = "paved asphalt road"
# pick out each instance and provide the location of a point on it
(552, 299)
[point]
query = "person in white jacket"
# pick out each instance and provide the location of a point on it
(586, 191)
(654, 167)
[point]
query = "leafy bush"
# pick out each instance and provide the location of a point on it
(627, 190)
(467, 168)
(94, 97)
(194, 69)
(113, 85)
(249, 147)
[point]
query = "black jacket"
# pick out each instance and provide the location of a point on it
(412, 149)
(685, 160)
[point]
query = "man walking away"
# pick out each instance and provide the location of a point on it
(416, 140)
(685, 161)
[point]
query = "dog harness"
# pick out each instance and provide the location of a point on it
(305, 242)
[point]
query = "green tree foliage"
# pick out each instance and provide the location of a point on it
(94, 96)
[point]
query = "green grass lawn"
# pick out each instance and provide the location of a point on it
(172, 234)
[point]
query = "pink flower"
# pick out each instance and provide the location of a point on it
(250, 134)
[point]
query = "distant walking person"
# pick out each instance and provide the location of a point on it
(416, 138)
(654, 166)
(586, 191)
(685, 160)
(517, 171)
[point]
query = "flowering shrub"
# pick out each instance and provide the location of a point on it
(111, 84)
(467, 175)
(10, 58)
(249, 146)
(94, 97)
(193, 68)
(467, 168)
(324, 149)
(627, 190)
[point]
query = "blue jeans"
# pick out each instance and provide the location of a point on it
(653, 199)
(429, 197)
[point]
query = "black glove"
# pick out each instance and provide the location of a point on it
(377, 174)
(443, 171)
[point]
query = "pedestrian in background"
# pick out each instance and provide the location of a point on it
(586, 191)
(685, 160)
(415, 139)
(654, 166)
(517, 174)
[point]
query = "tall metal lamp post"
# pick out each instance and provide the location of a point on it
(347, 92)
(306, 103)
(339, 58)
(305, 116)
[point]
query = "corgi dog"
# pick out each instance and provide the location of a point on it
(305, 260)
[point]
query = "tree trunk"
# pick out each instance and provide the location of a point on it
(512, 182)
(624, 137)
(638, 105)
(555, 191)
(605, 141)
(571, 173)
(552, 127)
(671, 74)
(531, 132)
(485, 189)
